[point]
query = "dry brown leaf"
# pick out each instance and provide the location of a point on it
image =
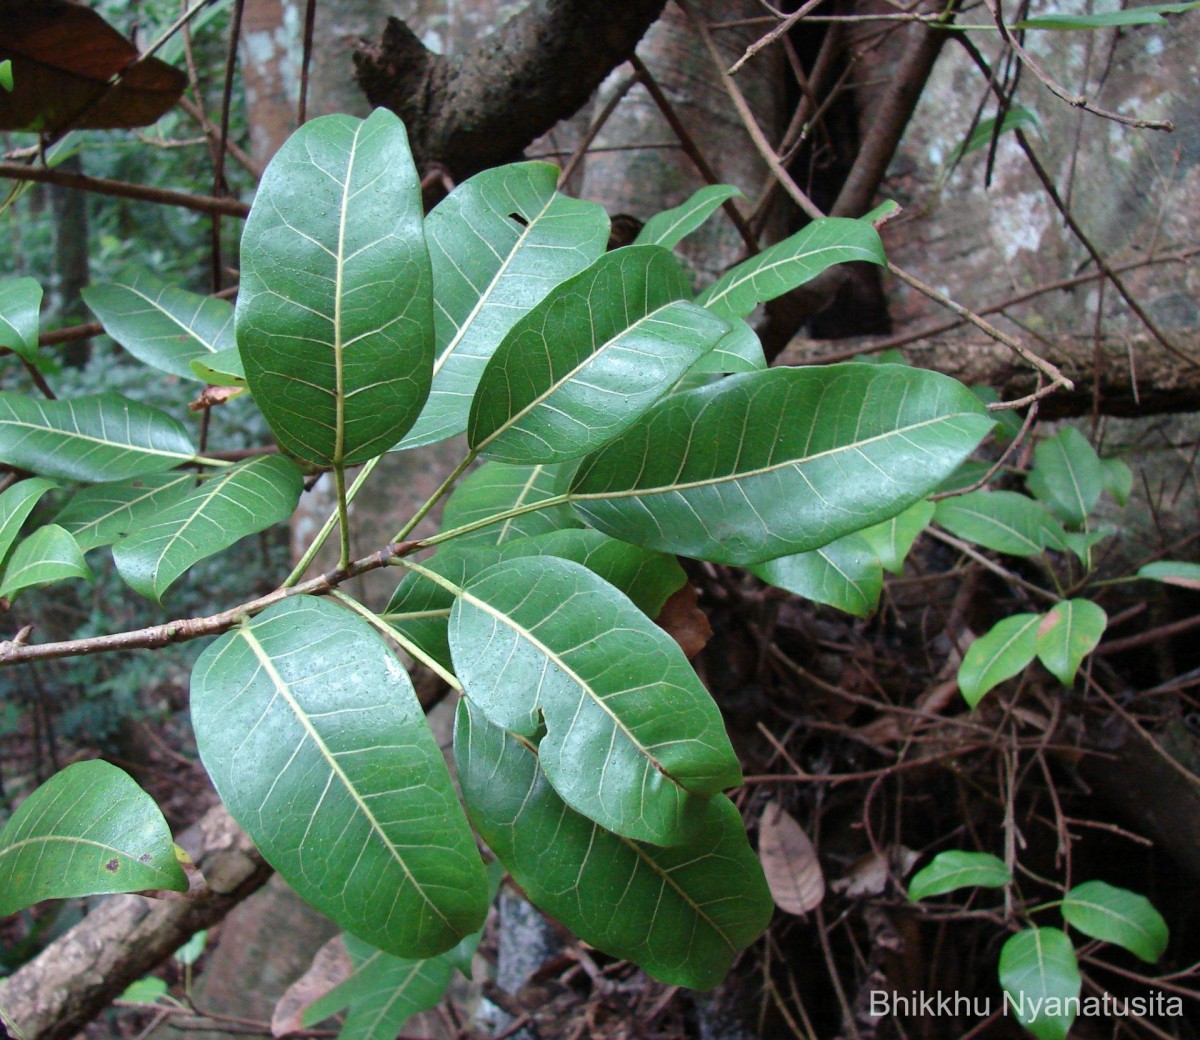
(330, 966)
(685, 622)
(868, 875)
(790, 862)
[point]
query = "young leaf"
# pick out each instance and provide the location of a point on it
(1118, 480)
(227, 506)
(1000, 654)
(88, 830)
(739, 350)
(774, 463)
(633, 740)
(1067, 634)
(20, 309)
(1173, 572)
(144, 991)
(1067, 475)
(314, 739)
(46, 556)
(845, 574)
(92, 438)
(891, 540)
(1039, 975)
(1118, 916)
(191, 950)
(955, 869)
(496, 488)
(499, 243)
(335, 311)
(1082, 542)
(684, 912)
(15, 506)
(223, 368)
(1015, 118)
(589, 359)
(1005, 521)
(161, 325)
(672, 226)
(792, 262)
(100, 514)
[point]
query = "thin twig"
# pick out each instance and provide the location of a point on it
(774, 34)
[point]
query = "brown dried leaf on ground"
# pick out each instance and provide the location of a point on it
(330, 967)
(685, 622)
(790, 862)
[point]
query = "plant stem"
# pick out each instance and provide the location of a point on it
(343, 508)
(433, 499)
(327, 528)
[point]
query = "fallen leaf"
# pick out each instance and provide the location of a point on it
(330, 966)
(685, 622)
(790, 862)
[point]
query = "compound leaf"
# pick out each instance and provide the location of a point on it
(672, 226)
(1040, 975)
(1068, 632)
(845, 574)
(48, 555)
(955, 869)
(1118, 916)
(20, 315)
(998, 655)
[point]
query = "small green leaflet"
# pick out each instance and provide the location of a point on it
(845, 574)
(20, 308)
(227, 506)
(1040, 976)
(1067, 475)
(161, 325)
(1151, 14)
(144, 991)
(774, 463)
(15, 506)
(1173, 572)
(1068, 632)
(88, 830)
(685, 911)
(48, 555)
(581, 366)
(496, 488)
(92, 438)
(955, 869)
(672, 226)
(191, 951)
(1000, 654)
(314, 739)
(100, 514)
(1005, 521)
(335, 311)
(1118, 916)
(633, 740)
(892, 539)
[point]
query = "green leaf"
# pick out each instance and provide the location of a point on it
(499, 243)
(144, 991)
(671, 226)
(15, 506)
(845, 574)
(227, 506)
(100, 514)
(6, 76)
(335, 311)
(1118, 480)
(92, 438)
(1005, 521)
(1081, 543)
(1172, 572)
(161, 325)
(774, 463)
(1117, 916)
(191, 950)
(739, 350)
(88, 830)
(589, 359)
(682, 913)
(1015, 118)
(792, 262)
(1152, 14)
(891, 540)
(314, 739)
(1067, 475)
(631, 734)
(1040, 978)
(1000, 654)
(20, 310)
(1069, 631)
(224, 368)
(969, 474)
(496, 488)
(955, 869)
(48, 555)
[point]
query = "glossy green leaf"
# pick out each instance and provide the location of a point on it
(100, 514)
(224, 368)
(88, 830)
(1117, 916)
(1067, 475)
(998, 655)
(792, 262)
(496, 488)
(48, 555)
(682, 913)
(92, 438)
(20, 315)
(1118, 480)
(1068, 632)
(1005, 521)
(589, 359)
(1151, 14)
(420, 608)
(1173, 572)
(499, 243)
(845, 574)
(955, 869)
(774, 463)
(739, 350)
(227, 506)
(672, 226)
(633, 740)
(15, 506)
(314, 739)
(335, 310)
(1040, 978)
(891, 540)
(161, 325)
(968, 475)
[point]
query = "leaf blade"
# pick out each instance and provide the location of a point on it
(20, 316)
(48, 555)
(1005, 521)
(955, 869)
(1116, 915)
(1040, 975)
(1069, 632)
(845, 574)
(672, 226)
(997, 655)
